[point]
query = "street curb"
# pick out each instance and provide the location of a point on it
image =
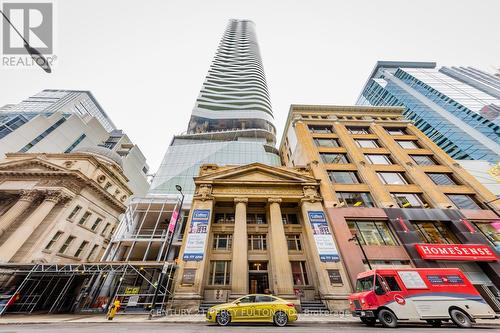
(303, 323)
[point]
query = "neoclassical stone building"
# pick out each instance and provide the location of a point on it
(255, 229)
(59, 208)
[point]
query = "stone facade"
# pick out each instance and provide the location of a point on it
(59, 208)
(258, 239)
(382, 179)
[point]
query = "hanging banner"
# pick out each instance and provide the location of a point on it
(323, 237)
(197, 235)
(173, 218)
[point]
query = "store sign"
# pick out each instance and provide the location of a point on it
(335, 277)
(133, 300)
(132, 290)
(323, 237)
(188, 276)
(459, 252)
(197, 235)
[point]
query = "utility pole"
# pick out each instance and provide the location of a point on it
(356, 238)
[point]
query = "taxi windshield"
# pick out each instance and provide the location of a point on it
(365, 284)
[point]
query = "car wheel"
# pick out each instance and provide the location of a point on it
(387, 318)
(369, 321)
(223, 318)
(434, 322)
(460, 318)
(280, 319)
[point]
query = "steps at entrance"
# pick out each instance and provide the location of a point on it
(314, 307)
(204, 306)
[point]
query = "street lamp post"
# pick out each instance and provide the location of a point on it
(356, 238)
(39, 59)
(170, 235)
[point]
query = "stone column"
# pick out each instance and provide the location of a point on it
(24, 231)
(334, 295)
(189, 294)
(281, 269)
(24, 201)
(239, 264)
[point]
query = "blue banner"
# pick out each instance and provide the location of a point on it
(323, 237)
(197, 235)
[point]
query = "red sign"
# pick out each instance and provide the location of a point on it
(459, 252)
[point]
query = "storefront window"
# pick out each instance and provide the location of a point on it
(372, 232)
(491, 232)
(299, 273)
(435, 233)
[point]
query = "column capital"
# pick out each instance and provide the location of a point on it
(55, 196)
(204, 192)
(310, 194)
(28, 195)
(241, 200)
(274, 200)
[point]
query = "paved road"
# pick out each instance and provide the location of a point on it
(198, 328)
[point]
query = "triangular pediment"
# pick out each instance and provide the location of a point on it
(31, 165)
(256, 172)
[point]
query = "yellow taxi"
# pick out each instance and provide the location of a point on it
(254, 308)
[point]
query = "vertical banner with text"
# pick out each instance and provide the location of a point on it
(197, 235)
(323, 237)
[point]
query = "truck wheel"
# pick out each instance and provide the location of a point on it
(223, 318)
(368, 321)
(434, 322)
(387, 318)
(460, 318)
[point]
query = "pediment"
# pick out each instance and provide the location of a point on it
(30, 165)
(257, 172)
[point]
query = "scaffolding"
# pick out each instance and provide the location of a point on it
(129, 270)
(91, 287)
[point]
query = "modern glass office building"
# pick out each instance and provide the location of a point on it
(457, 107)
(232, 120)
(66, 121)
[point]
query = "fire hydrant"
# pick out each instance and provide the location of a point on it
(113, 310)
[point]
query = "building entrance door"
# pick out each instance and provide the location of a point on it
(259, 282)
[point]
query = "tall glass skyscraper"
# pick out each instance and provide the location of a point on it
(457, 107)
(232, 120)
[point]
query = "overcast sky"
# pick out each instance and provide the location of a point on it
(145, 61)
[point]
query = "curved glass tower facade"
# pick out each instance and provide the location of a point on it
(232, 120)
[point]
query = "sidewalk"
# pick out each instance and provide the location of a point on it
(334, 319)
